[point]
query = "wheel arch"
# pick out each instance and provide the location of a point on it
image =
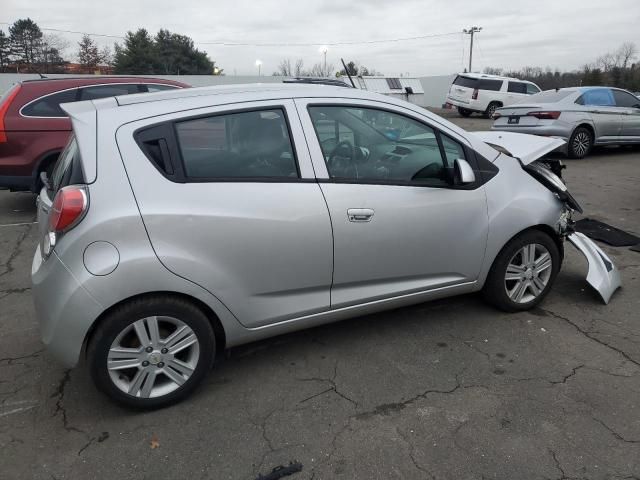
(547, 229)
(43, 162)
(214, 320)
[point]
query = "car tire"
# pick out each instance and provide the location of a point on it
(465, 112)
(523, 272)
(166, 362)
(580, 143)
(491, 109)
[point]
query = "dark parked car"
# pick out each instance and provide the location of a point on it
(34, 129)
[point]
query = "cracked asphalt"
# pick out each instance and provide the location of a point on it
(446, 390)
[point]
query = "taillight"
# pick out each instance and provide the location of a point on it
(68, 208)
(544, 115)
(3, 110)
(474, 96)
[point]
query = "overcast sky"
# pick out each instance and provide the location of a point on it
(557, 33)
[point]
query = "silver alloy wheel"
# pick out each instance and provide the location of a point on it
(528, 273)
(581, 143)
(153, 356)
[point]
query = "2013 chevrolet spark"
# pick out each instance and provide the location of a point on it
(183, 222)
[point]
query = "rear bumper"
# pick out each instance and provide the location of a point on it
(472, 105)
(64, 309)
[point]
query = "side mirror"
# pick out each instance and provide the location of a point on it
(462, 172)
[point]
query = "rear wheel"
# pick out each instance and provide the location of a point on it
(580, 143)
(151, 352)
(465, 112)
(523, 272)
(491, 109)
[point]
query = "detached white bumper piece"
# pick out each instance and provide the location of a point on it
(603, 274)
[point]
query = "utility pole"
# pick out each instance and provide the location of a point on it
(471, 31)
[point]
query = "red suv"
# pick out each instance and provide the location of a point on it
(34, 129)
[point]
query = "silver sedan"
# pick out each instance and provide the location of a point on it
(581, 116)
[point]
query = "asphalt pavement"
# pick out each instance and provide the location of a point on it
(451, 389)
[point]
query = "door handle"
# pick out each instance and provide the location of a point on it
(359, 214)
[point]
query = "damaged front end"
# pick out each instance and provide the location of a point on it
(530, 151)
(603, 275)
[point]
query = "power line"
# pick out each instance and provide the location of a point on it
(268, 44)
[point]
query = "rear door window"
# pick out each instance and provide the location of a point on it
(601, 97)
(492, 85)
(517, 87)
(49, 106)
(111, 90)
(254, 144)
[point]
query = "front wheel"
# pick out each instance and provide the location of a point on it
(151, 352)
(523, 272)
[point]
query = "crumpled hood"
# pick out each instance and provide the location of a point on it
(526, 148)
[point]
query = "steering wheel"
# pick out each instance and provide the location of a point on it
(341, 157)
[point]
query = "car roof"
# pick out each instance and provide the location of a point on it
(218, 93)
(491, 77)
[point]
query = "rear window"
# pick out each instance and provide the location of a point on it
(68, 170)
(465, 81)
(602, 97)
(111, 90)
(549, 96)
(49, 106)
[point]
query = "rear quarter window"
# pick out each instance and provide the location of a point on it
(49, 105)
(68, 170)
(111, 90)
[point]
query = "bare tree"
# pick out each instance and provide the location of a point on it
(299, 68)
(284, 68)
(627, 53)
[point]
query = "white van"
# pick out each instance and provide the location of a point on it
(475, 92)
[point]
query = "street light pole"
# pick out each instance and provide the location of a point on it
(471, 31)
(324, 49)
(259, 64)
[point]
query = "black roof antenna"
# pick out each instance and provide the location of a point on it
(347, 72)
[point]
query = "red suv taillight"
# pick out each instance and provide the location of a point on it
(544, 115)
(4, 106)
(68, 209)
(474, 95)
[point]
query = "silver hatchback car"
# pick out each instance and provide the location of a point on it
(180, 223)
